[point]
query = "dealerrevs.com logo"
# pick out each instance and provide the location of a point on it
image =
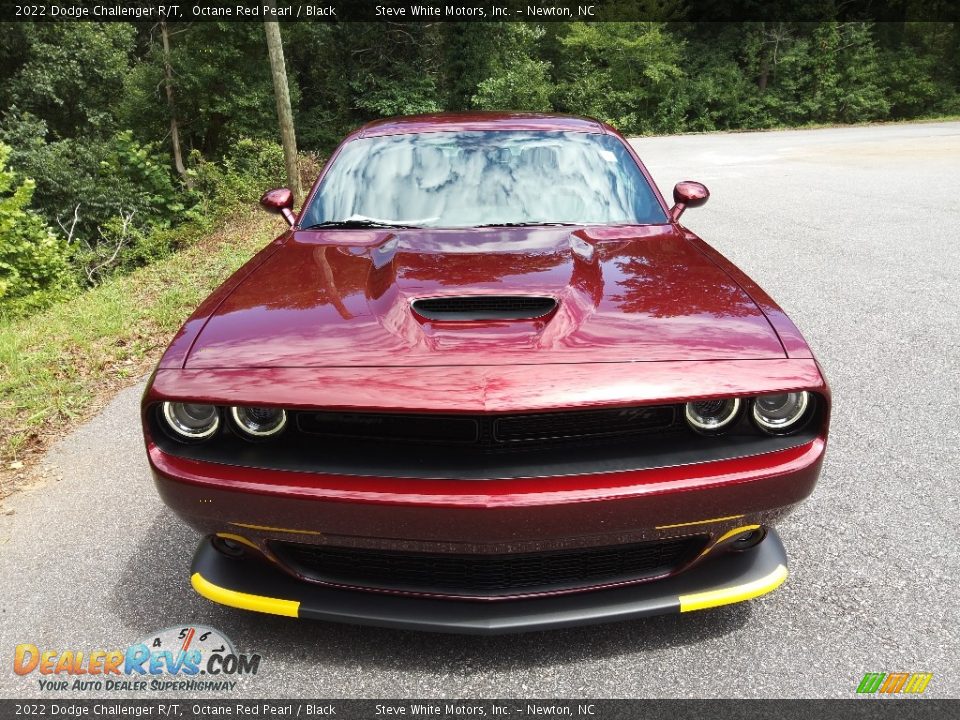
(176, 659)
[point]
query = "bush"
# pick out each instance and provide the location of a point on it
(523, 86)
(518, 81)
(145, 202)
(384, 97)
(249, 168)
(627, 74)
(86, 186)
(132, 211)
(34, 268)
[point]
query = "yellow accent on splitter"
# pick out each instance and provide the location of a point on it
(242, 600)
(726, 536)
(276, 529)
(699, 522)
(735, 594)
(736, 531)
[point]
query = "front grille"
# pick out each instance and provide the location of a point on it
(440, 429)
(589, 423)
(489, 575)
(484, 307)
(482, 447)
(490, 432)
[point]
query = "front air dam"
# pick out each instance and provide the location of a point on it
(250, 584)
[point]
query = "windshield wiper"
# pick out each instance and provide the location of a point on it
(356, 223)
(528, 224)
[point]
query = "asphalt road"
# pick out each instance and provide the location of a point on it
(855, 232)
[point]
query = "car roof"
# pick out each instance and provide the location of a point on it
(479, 121)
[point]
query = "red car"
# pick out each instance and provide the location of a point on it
(486, 382)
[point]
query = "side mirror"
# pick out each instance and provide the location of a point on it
(687, 194)
(279, 200)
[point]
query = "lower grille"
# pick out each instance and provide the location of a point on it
(489, 575)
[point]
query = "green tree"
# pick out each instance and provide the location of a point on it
(33, 260)
(517, 79)
(467, 52)
(727, 68)
(398, 73)
(220, 80)
(68, 74)
(860, 82)
(625, 73)
(920, 64)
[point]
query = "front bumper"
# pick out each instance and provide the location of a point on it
(258, 586)
(491, 516)
(712, 501)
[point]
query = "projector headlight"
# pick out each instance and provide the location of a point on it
(258, 423)
(712, 416)
(782, 413)
(190, 421)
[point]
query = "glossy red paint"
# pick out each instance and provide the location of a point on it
(646, 315)
(279, 200)
(790, 337)
(799, 464)
(687, 194)
(486, 388)
(525, 515)
(640, 294)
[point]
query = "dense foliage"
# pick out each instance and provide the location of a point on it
(88, 184)
(32, 258)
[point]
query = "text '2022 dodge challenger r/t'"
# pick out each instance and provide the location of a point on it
(486, 382)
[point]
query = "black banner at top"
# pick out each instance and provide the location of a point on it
(539, 11)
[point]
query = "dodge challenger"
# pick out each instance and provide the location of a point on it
(486, 382)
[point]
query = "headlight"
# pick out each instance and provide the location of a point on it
(259, 422)
(712, 416)
(782, 413)
(191, 421)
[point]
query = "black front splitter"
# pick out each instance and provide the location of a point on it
(254, 585)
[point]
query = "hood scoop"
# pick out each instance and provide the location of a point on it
(462, 308)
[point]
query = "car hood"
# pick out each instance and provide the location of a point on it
(343, 298)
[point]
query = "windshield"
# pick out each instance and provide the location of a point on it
(467, 179)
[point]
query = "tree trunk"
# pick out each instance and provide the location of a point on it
(764, 71)
(278, 68)
(764, 75)
(174, 127)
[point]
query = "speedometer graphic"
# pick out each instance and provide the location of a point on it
(189, 638)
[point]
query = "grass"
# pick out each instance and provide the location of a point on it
(61, 365)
